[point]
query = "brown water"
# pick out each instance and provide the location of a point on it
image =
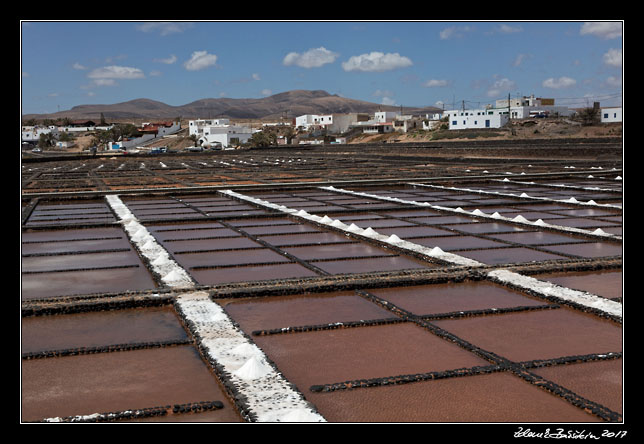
(301, 310)
(599, 381)
(372, 264)
(497, 397)
(100, 329)
(591, 249)
(453, 297)
(44, 285)
(331, 356)
(118, 381)
(538, 334)
(251, 273)
(508, 255)
(602, 283)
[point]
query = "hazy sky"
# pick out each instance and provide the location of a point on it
(408, 63)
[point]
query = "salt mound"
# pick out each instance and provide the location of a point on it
(174, 276)
(394, 239)
(163, 259)
(520, 218)
(354, 228)
(140, 234)
(338, 224)
(369, 232)
(300, 415)
(254, 368)
(245, 349)
(326, 220)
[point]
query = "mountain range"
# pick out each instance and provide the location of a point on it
(288, 104)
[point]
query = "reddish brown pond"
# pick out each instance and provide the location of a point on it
(112, 382)
(538, 334)
(453, 297)
(497, 397)
(330, 356)
(599, 381)
(100, 329)
(602, 283)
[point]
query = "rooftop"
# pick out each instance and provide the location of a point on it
(468, 284)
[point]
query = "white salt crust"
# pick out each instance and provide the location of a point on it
(270, 397)
(268, 394)
(479, 214)
(570, 200)
(171, 273)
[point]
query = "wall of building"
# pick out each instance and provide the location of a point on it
(385, 116)
(195, 127)
(32, 134)
(227, 136)
(477, 121)
(609, 115)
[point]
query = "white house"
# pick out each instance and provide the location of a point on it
(376, 127)
(385, 116)
(431, 124)
(333, 123)
(526, 107)
(525, 101)
(306, 121)
(32, 133)
(406, 123)
(609, 115)
(196, 127)
(524, 112)
(225, 136)
(210, 132)
(476, 119)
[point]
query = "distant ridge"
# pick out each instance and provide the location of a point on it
(287, 104)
